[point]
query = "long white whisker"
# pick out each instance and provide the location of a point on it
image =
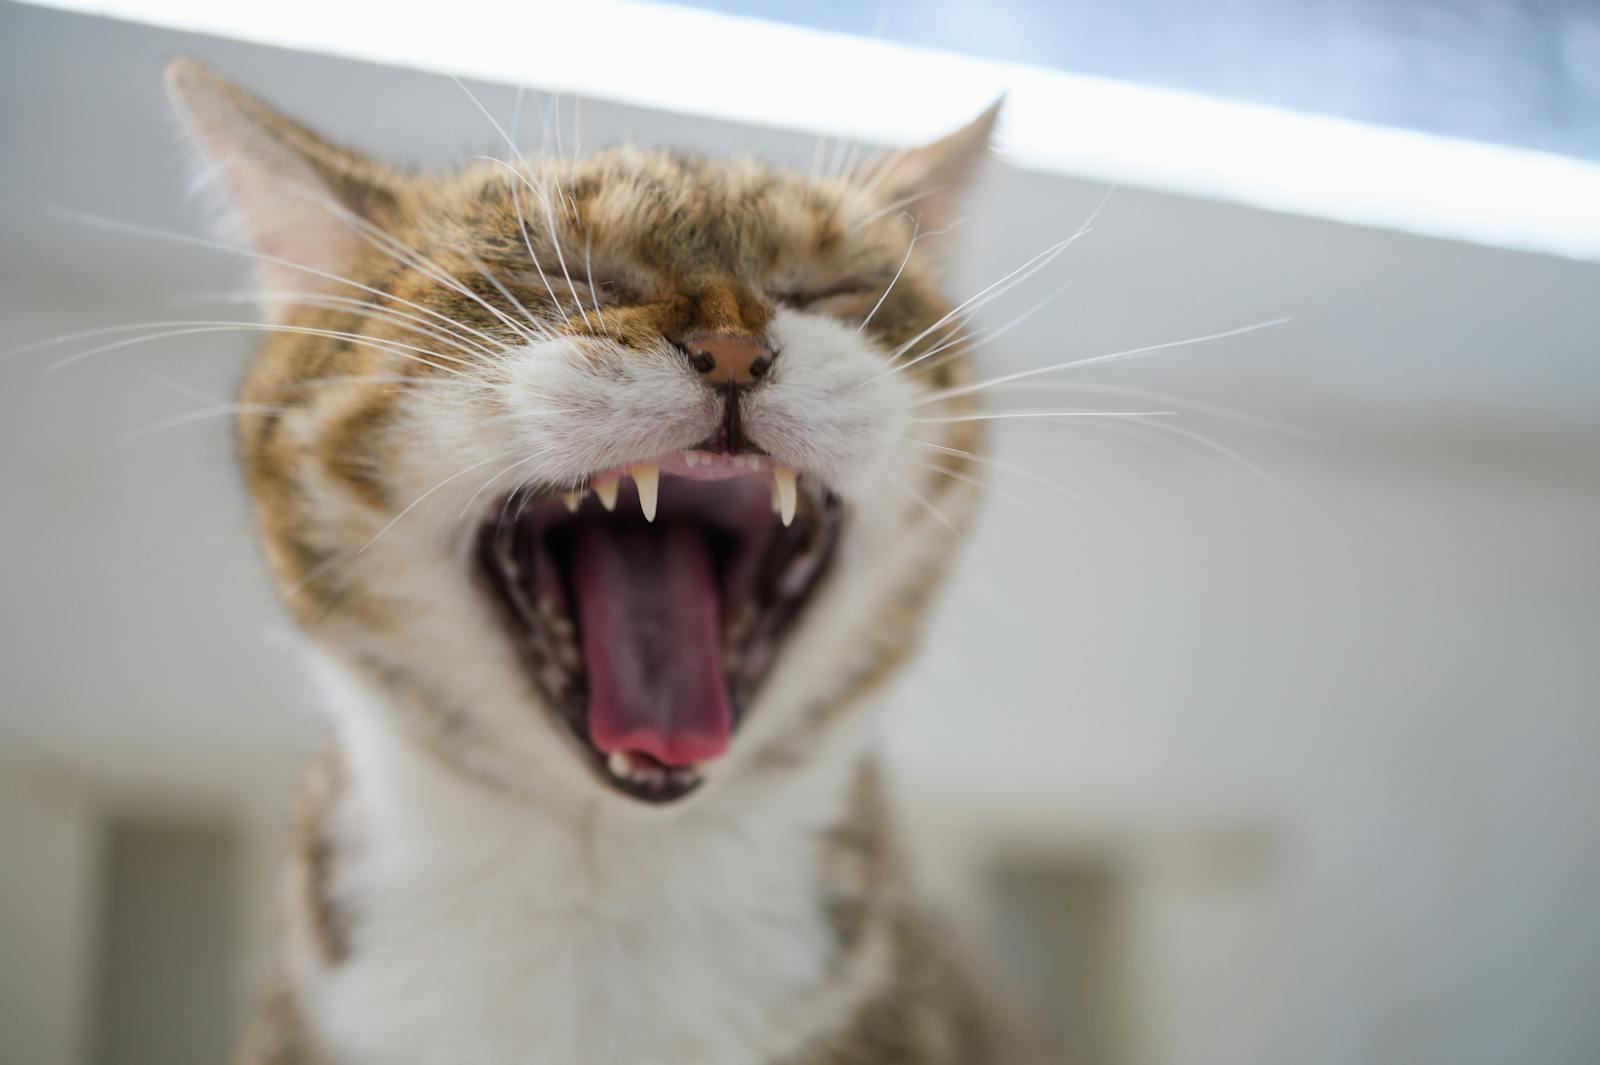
(967, 347)
(588, 271)
(1006, 415)
(424, 496)
(891, 207)
(369, 309)
(201, 242)
(561, 260)
(1180, 402)
(971, 305)
(1016, 277)
(523, 227)
(467, 506)
(541, 330)
(549, 213)
(393, 347)
(406, 254)
(982, 486)
(911, 246)
(1027, 474)
(927, 504)
(203, 414)
(1093, 360)
(1228, 452)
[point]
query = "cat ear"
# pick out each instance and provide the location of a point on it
(292, 192)
(931, 180)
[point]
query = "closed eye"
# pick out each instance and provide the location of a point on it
(805, 296)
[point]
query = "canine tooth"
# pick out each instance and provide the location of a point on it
(647, 476)
(690, 459)
(784, 492)
(605, 489)
(573, 500)
(621, 764)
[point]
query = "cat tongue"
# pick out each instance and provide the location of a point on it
(647, 607)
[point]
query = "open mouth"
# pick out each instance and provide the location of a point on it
(649, 607)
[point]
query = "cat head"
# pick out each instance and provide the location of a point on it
(616, 475)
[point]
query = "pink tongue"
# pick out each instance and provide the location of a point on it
(647, 605)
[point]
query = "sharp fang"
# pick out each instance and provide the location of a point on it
(621, 764)
(605, 490)
(647, 476)
(573, 500)
(783, 488)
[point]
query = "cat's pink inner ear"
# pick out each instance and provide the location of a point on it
(933, 178)
(290, 190)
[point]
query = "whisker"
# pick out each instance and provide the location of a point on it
(1228, 452)
(891, 207)
(1181, 402)
(549, 213)
(1005, 415)
(1093, 360)
(588, 271)
(561, 259)
(982, 486)
(404, 253)
(424, 496)
(911, 245)
(370, 309)
(392, 347)
(972, 304)
(927, 505)
(523, 227)
(201, 242)
(204, 414)
(989, 336)
(466, 507)
(541, 330)
(1027, 474)
(1016, 277)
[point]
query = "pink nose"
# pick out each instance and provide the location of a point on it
(724, 359)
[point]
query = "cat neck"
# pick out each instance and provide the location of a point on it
(584, 921)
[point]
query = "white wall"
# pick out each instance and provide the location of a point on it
(49, 917)
(1384, 692)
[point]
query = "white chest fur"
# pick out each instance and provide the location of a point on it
(486, 931)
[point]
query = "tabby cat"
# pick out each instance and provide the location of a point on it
(599, 488)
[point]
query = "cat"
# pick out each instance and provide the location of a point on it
(600, 489)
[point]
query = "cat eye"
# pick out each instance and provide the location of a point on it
(802, 297)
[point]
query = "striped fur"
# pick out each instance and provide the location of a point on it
(464, 891)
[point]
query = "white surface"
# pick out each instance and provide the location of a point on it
(770, 74)
(1395, 689)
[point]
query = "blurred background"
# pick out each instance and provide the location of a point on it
(1295, 759)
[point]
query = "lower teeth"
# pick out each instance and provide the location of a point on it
(624, 766)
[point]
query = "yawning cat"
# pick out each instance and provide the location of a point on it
(597, 487)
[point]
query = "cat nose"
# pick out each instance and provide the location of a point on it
(729, 361)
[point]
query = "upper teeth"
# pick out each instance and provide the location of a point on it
(647, 479)
(784, 492)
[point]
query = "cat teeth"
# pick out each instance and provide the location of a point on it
(620, 764)
(605, 489)
(573, 500)
(784, 495)
(640, 772)
(647, 478)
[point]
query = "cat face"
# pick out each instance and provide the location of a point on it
(607, 472)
